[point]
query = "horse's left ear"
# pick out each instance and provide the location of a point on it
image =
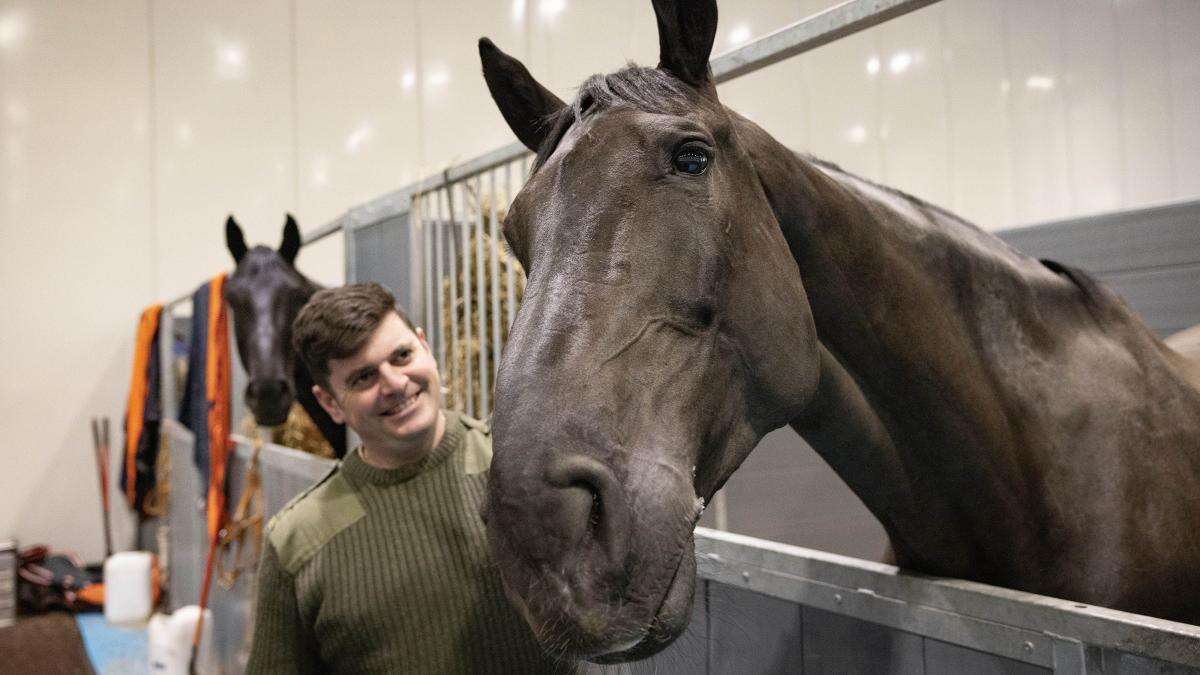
(234, 241)
(526, 105)
(290, 245)
(686, 31)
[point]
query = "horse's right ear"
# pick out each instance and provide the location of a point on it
(290, 246)
(234, 239)
(686, 31)
(526, 105)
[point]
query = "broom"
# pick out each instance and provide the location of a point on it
(100, 444)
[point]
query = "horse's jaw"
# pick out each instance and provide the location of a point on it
(620, 631)
(670, 619)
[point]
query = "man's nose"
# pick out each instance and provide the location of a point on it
(392, 378)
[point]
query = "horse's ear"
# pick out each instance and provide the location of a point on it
(526, 105)
(686, 31)
(290, 245)
(234, 239)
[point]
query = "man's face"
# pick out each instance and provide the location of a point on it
(388, 392)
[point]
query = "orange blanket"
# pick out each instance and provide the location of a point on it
(135, 411)
(216, 387)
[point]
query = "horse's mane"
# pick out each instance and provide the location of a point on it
(912, 199)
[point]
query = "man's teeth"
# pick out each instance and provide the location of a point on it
(399, 407)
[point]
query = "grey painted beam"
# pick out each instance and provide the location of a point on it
(1013, 624)
(808, 34)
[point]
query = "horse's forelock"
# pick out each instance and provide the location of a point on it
(647, 89)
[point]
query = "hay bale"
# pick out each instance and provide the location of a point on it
(458, 349)
(298, 431)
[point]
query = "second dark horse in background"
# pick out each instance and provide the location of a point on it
(265, 292)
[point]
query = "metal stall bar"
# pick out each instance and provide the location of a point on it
(439, 233)
(510, 281)
(465, 250)
(494, 260)
(452, 256)
(481, 298)
(428, 231)
(166, 361)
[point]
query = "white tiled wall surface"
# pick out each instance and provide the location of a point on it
(130, 129)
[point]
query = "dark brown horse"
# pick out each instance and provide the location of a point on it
(693, 284)
(265, 293)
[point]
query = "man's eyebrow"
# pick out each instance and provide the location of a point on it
(353, 375)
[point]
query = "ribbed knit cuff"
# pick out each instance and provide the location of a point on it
(359, 472)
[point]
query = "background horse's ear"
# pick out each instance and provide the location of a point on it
(686, 30)
(290, 245)
(526, 105)
(234, 239)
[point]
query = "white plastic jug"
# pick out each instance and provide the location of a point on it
(128, 597)
(170, 642)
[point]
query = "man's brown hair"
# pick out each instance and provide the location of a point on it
(336, 322)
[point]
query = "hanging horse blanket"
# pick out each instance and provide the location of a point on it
(143, 413)
(206, 404)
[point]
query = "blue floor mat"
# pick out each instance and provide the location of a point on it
(114, 649)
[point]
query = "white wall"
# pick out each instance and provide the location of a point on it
(129, 129)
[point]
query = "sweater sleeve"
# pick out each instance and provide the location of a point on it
(282, 643)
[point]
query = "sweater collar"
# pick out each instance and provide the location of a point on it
(359, 472)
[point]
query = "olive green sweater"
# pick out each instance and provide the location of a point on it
(374, 570)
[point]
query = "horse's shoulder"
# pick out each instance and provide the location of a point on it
(312, 518)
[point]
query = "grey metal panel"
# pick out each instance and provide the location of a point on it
(1125, 240)
(185, 519)
(834, 643)
(381, 254)
(231, 606)
(1167, 298)
(942, 658)
(1121, 663)
(785, 492)
(752, 633)
(285, 473)
(1009, 623)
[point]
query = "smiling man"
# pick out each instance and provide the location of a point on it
(382, 566)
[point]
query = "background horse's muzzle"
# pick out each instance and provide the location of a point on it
(269, 400)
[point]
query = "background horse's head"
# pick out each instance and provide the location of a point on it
(663, 331)
(265, 293)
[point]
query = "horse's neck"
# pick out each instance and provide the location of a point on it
(911, 420)
(332, 431)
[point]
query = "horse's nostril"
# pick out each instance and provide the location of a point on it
(590, 502)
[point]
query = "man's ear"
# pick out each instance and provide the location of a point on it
(421, 337)
(528, 107)
(329, 403)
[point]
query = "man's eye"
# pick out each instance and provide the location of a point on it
(360, 381)
(400, 356)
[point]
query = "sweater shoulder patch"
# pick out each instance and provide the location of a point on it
(477, 448)
(312, 519)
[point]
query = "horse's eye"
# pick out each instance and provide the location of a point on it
(691, 160)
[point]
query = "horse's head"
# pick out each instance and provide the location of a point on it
(664, 330)
(265, 293)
